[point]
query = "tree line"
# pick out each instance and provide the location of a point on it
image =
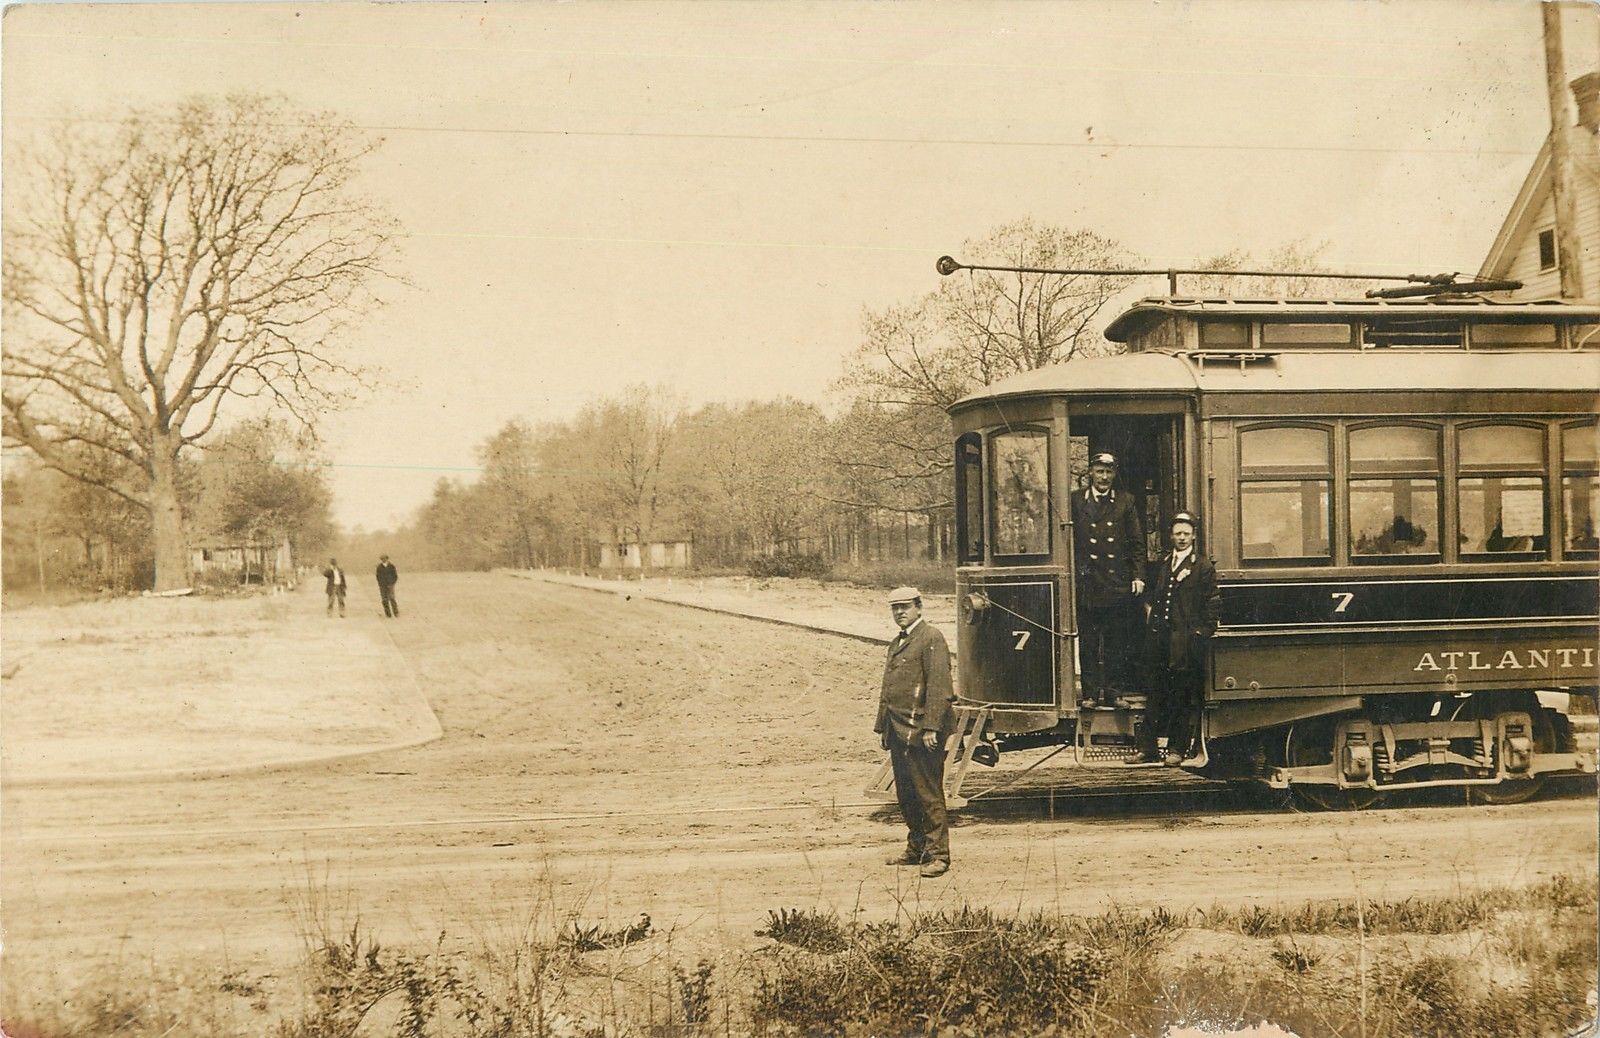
(260, 484)
(779, 483)
(177, 285)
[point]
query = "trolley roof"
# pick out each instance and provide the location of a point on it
(1158, 373)
(1145, 311)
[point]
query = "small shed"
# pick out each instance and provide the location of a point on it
(258, 562)
(664, 551)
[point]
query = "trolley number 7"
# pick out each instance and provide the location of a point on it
(1022, 639)
(1343, 598)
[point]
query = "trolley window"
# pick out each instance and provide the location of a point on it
(1317, 334)
(1394, 493)
(969, 497)
(1285, 473)
(1580, 490)
(1020, 495)
(1225, 335)
(1500, 490)
(1490, 335)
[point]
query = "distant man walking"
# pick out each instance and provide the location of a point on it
(915, 717)
(1108, 548)
(337, 586)
(1184, 609)
(388, 577)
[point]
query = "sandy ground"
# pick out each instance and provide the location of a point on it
(857, 612)
(131, 687)
(634, 756)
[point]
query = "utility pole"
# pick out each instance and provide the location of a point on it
(1569, 261)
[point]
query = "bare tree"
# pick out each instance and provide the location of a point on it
(617, 456)
(916, 360)
(981, 326)
(256, 485)
(1293, 259)
(510, 464)
(752, 474)
(162, 269)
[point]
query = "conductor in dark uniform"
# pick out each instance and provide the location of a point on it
(915, 716)
(1109, 551)
(1184, 607)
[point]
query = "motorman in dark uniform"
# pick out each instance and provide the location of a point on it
(915, 716)
(1109, 550)
(1184, 605)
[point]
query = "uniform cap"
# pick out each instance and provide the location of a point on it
(904, 594)
(1184, 517)
(1103, 458)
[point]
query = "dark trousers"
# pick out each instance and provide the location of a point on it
(1106, 636)
(336, 597)
(1174, 710)
(390, 606)
(919, 785)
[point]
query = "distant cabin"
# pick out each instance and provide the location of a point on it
(1525, 248)
(260, 562)
(622, 551)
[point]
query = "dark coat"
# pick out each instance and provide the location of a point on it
(1108, 547)
(917, 689)
(388, 576)
(1184, 609)
(335, 578)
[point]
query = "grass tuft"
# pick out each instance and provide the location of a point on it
(805, 928)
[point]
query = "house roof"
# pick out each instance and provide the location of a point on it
(1537, 186)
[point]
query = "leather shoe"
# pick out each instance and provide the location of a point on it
(935, 868)
(1122, 704)
(1143, 758)
(904, 859)
(1173, 759)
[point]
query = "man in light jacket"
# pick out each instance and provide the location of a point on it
(337, 586)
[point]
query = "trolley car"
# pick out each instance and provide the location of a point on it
(1400, 499)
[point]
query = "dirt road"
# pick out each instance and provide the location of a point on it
(697, 767)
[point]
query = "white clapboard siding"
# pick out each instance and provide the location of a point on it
(1546, 284)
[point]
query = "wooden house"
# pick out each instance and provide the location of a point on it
(1525, 250)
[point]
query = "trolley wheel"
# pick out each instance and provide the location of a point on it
(1311, 743)
(1515, 791)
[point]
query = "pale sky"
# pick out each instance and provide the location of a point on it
(706, 196)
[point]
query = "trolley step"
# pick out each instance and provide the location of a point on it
(971, 721)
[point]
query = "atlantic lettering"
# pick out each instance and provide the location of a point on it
(1510, 659)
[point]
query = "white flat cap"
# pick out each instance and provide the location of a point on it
(904, 594)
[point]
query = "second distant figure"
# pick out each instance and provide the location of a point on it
(388, 577)
(337, 586)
